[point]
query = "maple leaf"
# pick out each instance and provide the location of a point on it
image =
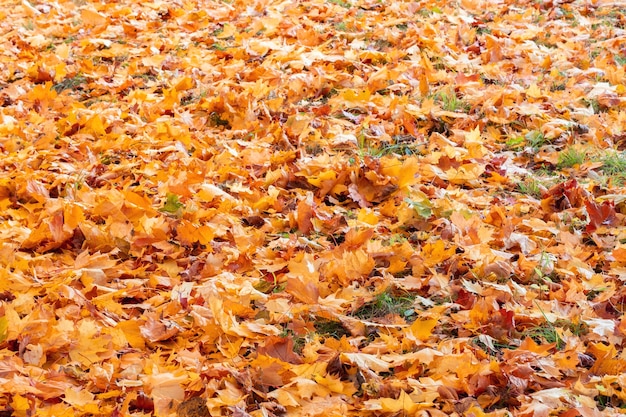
(599, 214)
(172, 205)
(403, 404)
(421, 330)
(4, 327)
(317, 208)
(280, 348)
(155, 330)
(194, 407)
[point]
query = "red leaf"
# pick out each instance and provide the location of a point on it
(563, 196)
(599, 214)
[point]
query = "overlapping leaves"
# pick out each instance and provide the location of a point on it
(312, 208)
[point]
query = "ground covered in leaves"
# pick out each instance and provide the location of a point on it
(312, 208)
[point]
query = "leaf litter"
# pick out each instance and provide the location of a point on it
(337, 208)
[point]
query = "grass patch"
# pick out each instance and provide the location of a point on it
(298, 341)
(215, 120)
(405, 145)
(571, 157)
(545, 333)
(388, 303)
(595, 292)
(402, 145)
(515, 143)
(614, 166)
(610, 401)
(594, 104)
(218, 47)
(576, 327)
(495, 347)
(450, 102)
(330, 328)
(558, 86)
(341, 26)
(398, 149)
(535, 139)
(70, 83)
(341, 3)
(531, 187)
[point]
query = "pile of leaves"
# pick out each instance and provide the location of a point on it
(312, 208)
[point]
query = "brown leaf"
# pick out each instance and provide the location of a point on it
(305, 214)
(280, 348)
(305, 292)
(155, 330)
(193, 407)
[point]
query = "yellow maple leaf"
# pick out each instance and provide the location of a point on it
(403, 404)
(534, 91)
(366, 361)
(421, 330)
(91, 346)
(403, 172)
(285, 397)
(92, 18)
(435, 253)
(132, 333)
(332, 383)
(43, 93)
(82, 400)
(308, 388)
(95, 125)
(184, 83)
(466, 173)
(367, 216)
(474, 144)
(356, 96)
(20, 405)
(318, 179)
